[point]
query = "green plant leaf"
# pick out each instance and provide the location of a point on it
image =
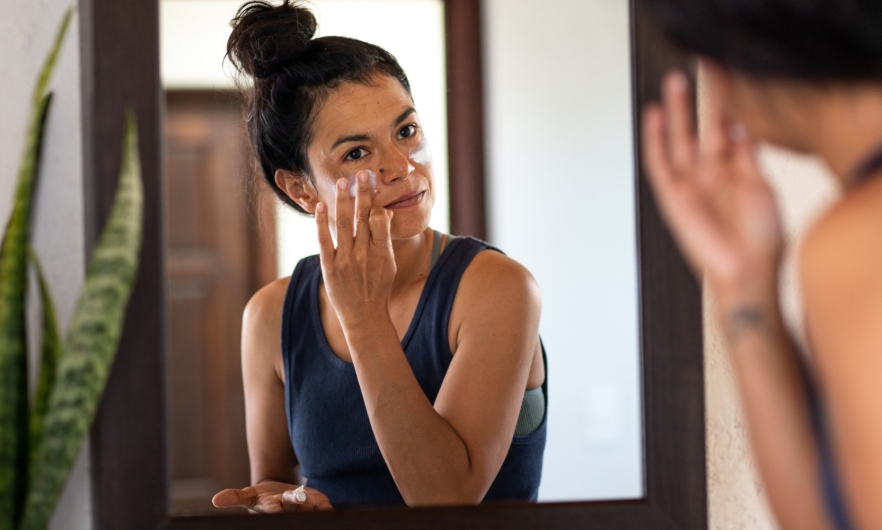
(52, 58)
(13, 347)
(91, 342)
(50, 352)
(13, 281)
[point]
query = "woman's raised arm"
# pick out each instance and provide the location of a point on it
(449, 453)
(725, 220)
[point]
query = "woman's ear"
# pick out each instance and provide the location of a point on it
(298, 188)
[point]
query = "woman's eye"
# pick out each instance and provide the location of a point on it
(356, 154)
(407, 131)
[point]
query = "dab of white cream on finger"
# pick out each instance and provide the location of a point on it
(299, 494)
(422, 155)
(353, 182)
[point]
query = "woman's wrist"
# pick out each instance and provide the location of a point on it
(749, 307)
(756, 284)
(364, 318)
(367, 328)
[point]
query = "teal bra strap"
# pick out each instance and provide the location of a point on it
(436, 249)
(532, 412)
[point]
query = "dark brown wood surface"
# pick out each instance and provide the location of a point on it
(129, 455)
(465, 118)
(119, 57)
(671, 340)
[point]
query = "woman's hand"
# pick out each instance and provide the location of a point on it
(357, 274)
(711, 193)
(273, 497)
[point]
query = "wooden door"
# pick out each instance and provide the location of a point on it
(218, 253)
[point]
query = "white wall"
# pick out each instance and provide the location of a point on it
(26, 33)
(561, 201)
(193, 42)
(804, 189)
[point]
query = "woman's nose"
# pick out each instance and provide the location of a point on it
(395, 165)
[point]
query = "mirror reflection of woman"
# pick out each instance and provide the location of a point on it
(806, 76)
(409, 369)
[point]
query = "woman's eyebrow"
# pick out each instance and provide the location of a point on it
(364, 137)
(350, 138)
(404, 115)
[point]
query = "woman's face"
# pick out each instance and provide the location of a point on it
(374, 127)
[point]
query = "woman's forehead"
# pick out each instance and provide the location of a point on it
(355, 108)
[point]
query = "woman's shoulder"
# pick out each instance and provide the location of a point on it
(840, 275)
(492, 275)
(264, 309)
(846, 242)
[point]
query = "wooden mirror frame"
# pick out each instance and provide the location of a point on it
(130, 469)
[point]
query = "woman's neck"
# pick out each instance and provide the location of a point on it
(849, 129)
(412, 257)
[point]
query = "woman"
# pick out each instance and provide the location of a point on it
(409, 368)
(807, 76)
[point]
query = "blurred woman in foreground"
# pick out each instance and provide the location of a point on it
(806, 76)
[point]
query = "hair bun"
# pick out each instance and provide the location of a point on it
(266, 37)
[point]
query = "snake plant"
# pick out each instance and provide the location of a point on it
(40, 441)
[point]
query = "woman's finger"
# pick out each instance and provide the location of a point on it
(344, 218)
(363, 203)
(381, 223)
(326, 242)
(662, 175)
(715, 144)
(744, 160)
(234, 498)
(270, 504)
(679, 120)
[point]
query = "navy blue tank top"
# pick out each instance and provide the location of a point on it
(832, 490)
(327, 418)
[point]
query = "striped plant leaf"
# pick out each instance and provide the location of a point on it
(52, 58)
(13, 281)
(92, 341)
(13, 348)
(50, 352)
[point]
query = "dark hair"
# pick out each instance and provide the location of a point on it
(292, 75)
(814, 40)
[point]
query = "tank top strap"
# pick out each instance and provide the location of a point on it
(436, 248)
(298, 299)
(433, 312)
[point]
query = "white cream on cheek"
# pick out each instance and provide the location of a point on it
(422, 155)
(353, 183)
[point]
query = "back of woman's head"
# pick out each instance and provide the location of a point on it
(815, 40)
(292, 75)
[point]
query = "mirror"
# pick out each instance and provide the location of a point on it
(623, 334)
(560, 192)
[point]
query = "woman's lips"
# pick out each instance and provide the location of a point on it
(407, 201)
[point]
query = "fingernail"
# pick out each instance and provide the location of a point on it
(362, 176)
(677, 81)
(320, 207)
(342, 184)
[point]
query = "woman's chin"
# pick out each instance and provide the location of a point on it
(408, 229)
(410, 223)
